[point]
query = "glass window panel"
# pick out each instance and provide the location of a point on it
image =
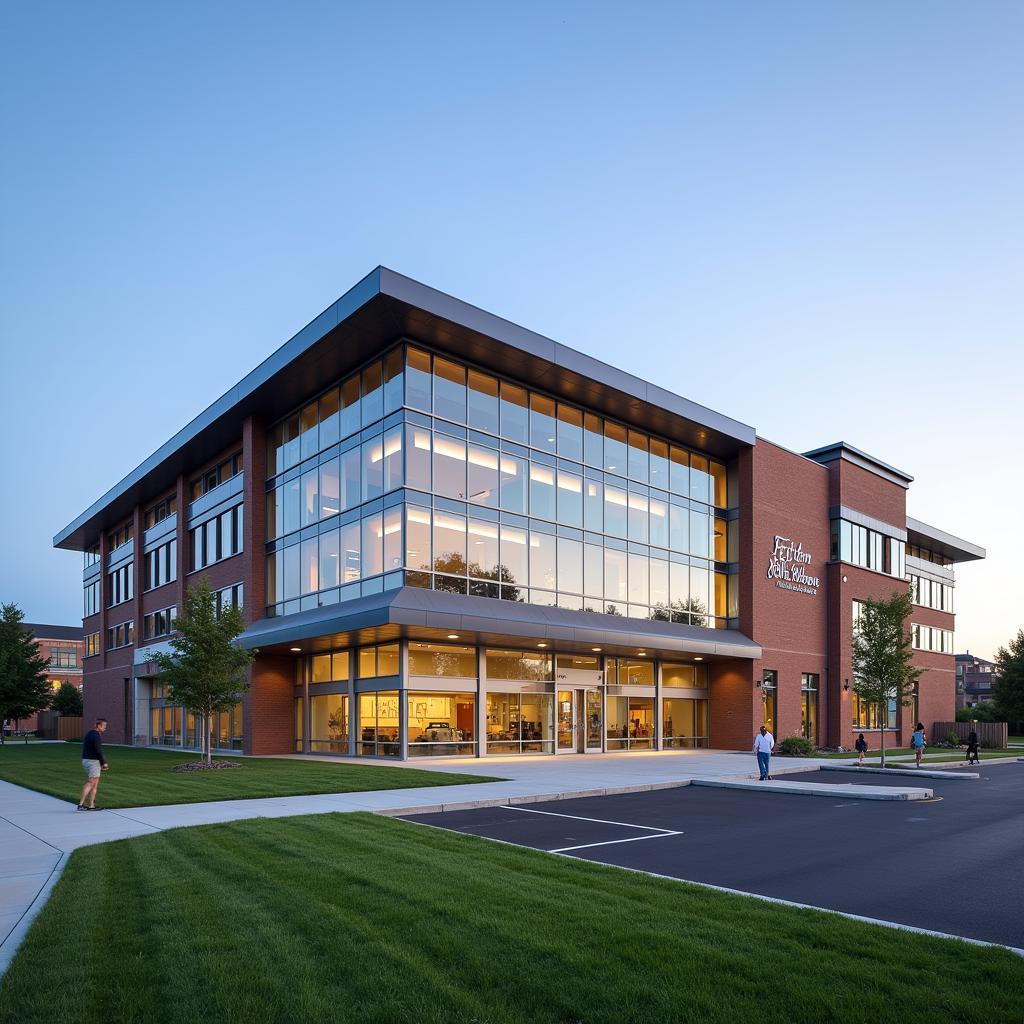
(679, 471)
(339, 665)
(482, 472)
(615, 456)
(615, 575)
(659, 534)
(593, 440)
(449, 390)
(593, 570)
(639, 579)
(542, 561)
(514, 556)
(536, 666)
(699, 526)
(351, 479)
(483, 402)
(720, 485)
(570, 432)
(442, 660)
(330, 491)
(348, 413)
(351, 562)
(393, 382)
(570, 565)
(542, 422)
(392, 539)
(418, 450)
(329, 558)
(570, 498)
(291, 506)
(373, 394)
(679, 587)
(700, 478)
(449, 466)
(449, 543)
(659, 464)
(418, 381)
(309, 563)
(289, 563)
(593, 505)
(309, 439)
(615, 509)
(310, 498)
(616, 722)
(700, 587)
(721, 548)
(387, 662)
(721, 595)
(514, 415)
(639, 514)
(367, 670)
(328, 726)
(483, 549)
(373, 545)
(542, 491)
(417, 538)
(659, 585)
(513, 483)
(321, 669)
(392, 459)
(639, 459)
(373, 469)
(329, 406)
(442, 724)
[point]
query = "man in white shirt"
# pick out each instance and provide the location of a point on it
(764, 744)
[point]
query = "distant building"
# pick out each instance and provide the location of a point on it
(64, 648)
(974, 679)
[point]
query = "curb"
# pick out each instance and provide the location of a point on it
(817, 789)
(915, 772)
(11, 944)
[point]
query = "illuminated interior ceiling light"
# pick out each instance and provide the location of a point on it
(697, 657)
(296, 649)
(595, 649)
(453, 636)
(542, 645)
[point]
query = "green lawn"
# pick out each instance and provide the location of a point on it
(931, 754)
(361, 918)
(140, 777)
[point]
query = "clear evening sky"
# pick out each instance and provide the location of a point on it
(808, 216)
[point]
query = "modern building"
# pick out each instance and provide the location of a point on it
(452, 536)
(974, 679)
(63, 647)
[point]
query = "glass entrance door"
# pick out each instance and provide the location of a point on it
(590, 704)
(566, 724)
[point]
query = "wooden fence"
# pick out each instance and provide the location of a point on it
(992, 734)
(55, 726)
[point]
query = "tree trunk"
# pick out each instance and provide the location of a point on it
(882, 744)
(209, 739)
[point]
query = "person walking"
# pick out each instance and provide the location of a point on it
(972, 748)
(764, 744)
(93, 762)
(861, 746)
(918, 742)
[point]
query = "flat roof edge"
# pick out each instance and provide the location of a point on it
(956, 548)
(842, 450)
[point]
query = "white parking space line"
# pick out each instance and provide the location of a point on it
(612, 842)
(599, 821)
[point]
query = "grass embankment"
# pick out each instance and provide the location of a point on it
(141, 778)
(360, 918)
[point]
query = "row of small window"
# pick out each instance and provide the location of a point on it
(460, 662)
(873, 716)
(63, 656)
(931, 593)
(161, 511)
(120, 536)
(121, 585)
(454, 468)
(121, 635)
(160, 565)
(928, 556)
(90, 556)
(860, 546)
(931, 638)
(92, 644)
(460, 548)
(445, 724)
(165, 728)
(452, 391)
(215, 477)
(159, 623)
(91, 604)
(217, 539)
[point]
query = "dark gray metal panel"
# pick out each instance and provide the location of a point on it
(842, 450)
(887, 529)
(941, 542)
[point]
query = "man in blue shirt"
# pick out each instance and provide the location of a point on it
(93, 762)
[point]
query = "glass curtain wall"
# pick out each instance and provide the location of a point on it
(684, 723)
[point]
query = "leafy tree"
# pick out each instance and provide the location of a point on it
(1008, 689)
(68, 700)
(882, 654)
(983, 711)
(24, 688)
(206, 674)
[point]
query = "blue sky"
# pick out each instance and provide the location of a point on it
(805, 215)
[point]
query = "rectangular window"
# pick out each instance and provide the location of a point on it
(121, 585)
(215, 477)
(158, 513)
(684, 723)
(442, 660)
(328, 723)
(520, 723)
(378, 724)
(92, 599)
(536, 666)
(217, 539)
(92, 644)
(378, 661)
(442, 724)
(769, 699)
(809, 705)
(121, 635)
(160, 566)
(160, 623)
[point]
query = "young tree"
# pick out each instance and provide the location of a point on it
(882, 669)
(67, 700)
(1008, 689)
(24, 689)
(206, 674)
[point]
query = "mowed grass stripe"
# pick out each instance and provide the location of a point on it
(361, 918)
(143, 778)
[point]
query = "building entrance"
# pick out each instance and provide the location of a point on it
(579, 721)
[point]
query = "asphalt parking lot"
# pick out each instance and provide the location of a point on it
(954, 864)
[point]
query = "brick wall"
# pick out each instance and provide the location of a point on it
(270, 706)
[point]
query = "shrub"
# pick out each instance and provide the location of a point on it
(952, 739)
(982, 712)
(796, 746)
(987, 744)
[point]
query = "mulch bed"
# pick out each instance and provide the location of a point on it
(202, 766)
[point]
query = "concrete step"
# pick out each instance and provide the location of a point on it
(831, 790)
